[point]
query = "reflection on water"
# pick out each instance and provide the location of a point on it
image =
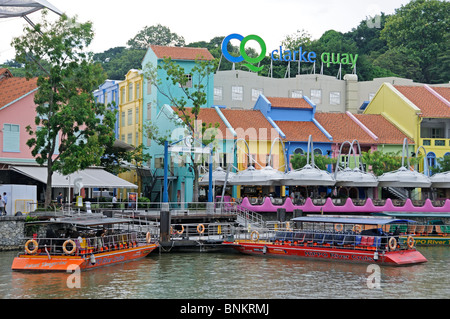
(233, 276)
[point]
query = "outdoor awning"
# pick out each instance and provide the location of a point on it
(20, 8)
(91, 177)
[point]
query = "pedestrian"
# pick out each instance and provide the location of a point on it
(5, 198)
(2, 206)
(114, 201)
(59, 200)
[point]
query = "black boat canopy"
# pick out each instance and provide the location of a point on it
(351, 220)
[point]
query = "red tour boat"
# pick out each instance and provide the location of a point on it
(367, 240)
(85, 243)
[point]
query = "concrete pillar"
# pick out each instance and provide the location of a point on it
(351, 93)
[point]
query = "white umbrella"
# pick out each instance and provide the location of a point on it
(218, 175)
(440, 180)
(265, 177)
(20, 8)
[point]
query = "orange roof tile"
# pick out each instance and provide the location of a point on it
(342, 128)
(250, 125)
(208, 116)
(284, 102)
(182, 53)
(386, 132)
(300, 131)
(12, 88)
(430, 105)
(443, 91)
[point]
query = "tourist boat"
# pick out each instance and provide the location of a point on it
(84, 243)
(367, 240)
(431, 229)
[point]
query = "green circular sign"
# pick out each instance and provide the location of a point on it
(262, 44)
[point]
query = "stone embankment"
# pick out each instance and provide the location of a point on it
(12, 232)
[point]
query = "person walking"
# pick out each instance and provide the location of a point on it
(5, 199)
(2, 206)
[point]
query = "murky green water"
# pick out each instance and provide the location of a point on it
(233, 276)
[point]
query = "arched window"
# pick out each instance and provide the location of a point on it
(318, 151)
(431, 157)
(299, 151)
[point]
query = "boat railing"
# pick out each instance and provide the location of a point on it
(196, 231)
(329, 238)
(81, 246)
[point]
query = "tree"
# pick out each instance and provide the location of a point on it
(299, 161)
(156, 35)
(119, 60)
(188, 105)
(380, 163)
(421, 26)
(72, 130)
(443, 165)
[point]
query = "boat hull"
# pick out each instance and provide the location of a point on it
(65, 263)
(394, 258)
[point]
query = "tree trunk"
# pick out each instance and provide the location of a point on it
(48, 190)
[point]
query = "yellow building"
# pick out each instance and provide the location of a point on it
(130, 119)
(421, 112)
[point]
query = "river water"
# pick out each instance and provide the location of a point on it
(234, 276)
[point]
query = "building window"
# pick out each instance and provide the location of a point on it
(436, 133)
(130, 116)
(137, 115)
(11, 138)
(335, 98)
(130, 138)
(123, 137)
(218, 94)
(316, 96)
(297, 94)
(106, 98)
(149, 87)
(138, 91)
(237, 93)
(299, 151)
(123, 119)
(122, 98)
(256, 93)
(431, 157)
(188, 83)
(130, 92)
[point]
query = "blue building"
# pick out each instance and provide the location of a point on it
(108, 94)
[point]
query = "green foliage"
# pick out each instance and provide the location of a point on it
(379, 163)
(156, 35)
(72, 129)
(443, 165)
(299, 161)
(118, 61)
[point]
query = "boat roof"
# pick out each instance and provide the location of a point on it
(351, 220)
(411, 214)
(94, 221)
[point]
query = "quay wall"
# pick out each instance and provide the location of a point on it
(12, 232)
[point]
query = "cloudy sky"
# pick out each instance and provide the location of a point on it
(115, 22)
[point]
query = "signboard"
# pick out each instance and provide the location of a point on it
(279, 54)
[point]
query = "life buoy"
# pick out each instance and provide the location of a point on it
(357, 228)
(254, 235)
(392, 243)
(148, 237)
(179, 232)
(35, 246)
(201, 228)
(74, 247)
(340, 226)
(410, 242)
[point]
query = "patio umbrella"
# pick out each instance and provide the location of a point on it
(219, 175)
(252, 177)
(21, 8)
(440, 180)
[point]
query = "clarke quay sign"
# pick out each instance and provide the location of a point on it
(300, 55)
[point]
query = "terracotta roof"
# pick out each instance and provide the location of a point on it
(182, 53)
(342, 128)
(430, 105)
(284, 102)
(209, 115)
(12, 88)
(250, 124)
(386, 132)
(443, 91)
(300, 131)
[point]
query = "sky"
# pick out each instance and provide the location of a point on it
(117, 21)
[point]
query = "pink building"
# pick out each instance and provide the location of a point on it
(17, 111)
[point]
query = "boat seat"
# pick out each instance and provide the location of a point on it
(299, 237)
(309, 237)
(370, 240)
(329, 239)
(357, 240)
(319, 238)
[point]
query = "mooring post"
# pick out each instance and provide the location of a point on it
(164, 225)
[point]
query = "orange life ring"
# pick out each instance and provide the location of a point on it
(35, 246)
(357, 228)
(410, 242)
(392, 243)
(341, 227)
(201, 228)
(74, 247)
(254, 235)
(179, 232)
